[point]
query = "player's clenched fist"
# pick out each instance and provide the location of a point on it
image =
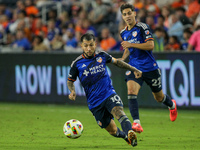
(72, 96)
(138, 74)
(126, 44)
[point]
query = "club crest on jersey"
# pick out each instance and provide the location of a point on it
(99, 123)
(147, 32)
(134, 33)
(99, 59)
(128, 73)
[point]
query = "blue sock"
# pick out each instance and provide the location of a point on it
(167, 101)
(120, 134)
(133, 106)
(125, 124)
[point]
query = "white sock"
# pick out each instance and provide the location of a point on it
(173, 106)
(137, 121)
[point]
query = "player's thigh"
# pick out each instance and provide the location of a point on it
(133, 87)
(153, 79)
(158, 95)
(133, 84)
(102, 115)
(114, 105)
(112, 127)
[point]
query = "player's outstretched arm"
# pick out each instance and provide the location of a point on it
(122, 64)
(125, 54)
(71, 87)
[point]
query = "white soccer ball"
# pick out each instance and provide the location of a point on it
(73, 128)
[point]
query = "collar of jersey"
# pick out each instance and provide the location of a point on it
(132, 27)
(88, 58)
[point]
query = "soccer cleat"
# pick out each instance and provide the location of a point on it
(132, 138)
(173, 112)
(137, 127)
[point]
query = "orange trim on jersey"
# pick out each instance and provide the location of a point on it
(71, 79)
(85, 57)
(149, 39)
(132, 27)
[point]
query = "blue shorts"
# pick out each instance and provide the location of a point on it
(102, 113)
(152, 78)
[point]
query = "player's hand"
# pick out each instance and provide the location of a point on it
(72, 95)
(126, 44)
(138, 74)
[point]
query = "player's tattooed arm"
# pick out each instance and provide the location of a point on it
(122, 64)
(71, 87)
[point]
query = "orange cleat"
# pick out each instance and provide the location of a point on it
(137, 127)
(173, 112)
(132, 138)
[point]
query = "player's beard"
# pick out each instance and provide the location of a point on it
(88, 55)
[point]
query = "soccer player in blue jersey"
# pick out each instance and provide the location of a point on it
(138, 44)
(103, 102)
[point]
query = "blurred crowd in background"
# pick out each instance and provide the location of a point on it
(57, 25)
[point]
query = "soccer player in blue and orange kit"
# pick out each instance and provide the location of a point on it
(138, 44)
(103, 102)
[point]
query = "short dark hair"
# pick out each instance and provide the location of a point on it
(39, 38)
(125, 6)
(161, 16)
(159, 29)
(187, 30)
(175, 38)
(88, 37)
(181, 9)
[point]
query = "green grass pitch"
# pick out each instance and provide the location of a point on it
(40, 127)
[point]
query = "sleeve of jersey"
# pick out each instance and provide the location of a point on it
(73, 73)
(108, 57)
(146, 34)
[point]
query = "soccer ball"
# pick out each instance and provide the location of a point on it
(73, 128)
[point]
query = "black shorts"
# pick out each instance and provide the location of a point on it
(102, 113)
(152, 78)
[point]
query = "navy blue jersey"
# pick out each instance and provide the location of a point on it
(93, 76)
(140, 59)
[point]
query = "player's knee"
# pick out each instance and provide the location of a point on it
(132, 92)
(113, 132)
(159, 98)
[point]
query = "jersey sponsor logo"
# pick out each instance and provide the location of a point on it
(94, 70)
(99, 59)
(134, 41)
(97, 69)
(134, 33)
(147, 32)
(86, 72)
(128, 73)
(83, 65)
